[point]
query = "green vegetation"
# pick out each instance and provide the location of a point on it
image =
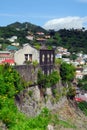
(71, 92)
(67, 72)
(46, 81)
(82, 83)
(58, 61)
(26, 26)
(35, 63)
(37, 46)
(83, 107)
(11, 84)
(74, 40)
(10, 81)
(20, 30)
(15, 120)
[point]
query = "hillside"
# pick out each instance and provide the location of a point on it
(69, 112)
(21, 30)
(74, 40)
(28, 26)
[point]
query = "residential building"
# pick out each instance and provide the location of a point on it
(9, 61)
(15, 44)
(79, 73)
(39, 33)
(5, 56)
(30, 37)
(12, 39)
(58, 55)
(85, 70)
(12, 48)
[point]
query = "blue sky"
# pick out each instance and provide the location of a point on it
(39, 12)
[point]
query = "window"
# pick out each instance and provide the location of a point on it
(30, 57)
(26, 57)
(48, 58)
(51, 57)
(43, 58)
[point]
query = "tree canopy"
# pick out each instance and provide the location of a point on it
(67, 72)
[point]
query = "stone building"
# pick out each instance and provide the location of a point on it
(27, 53)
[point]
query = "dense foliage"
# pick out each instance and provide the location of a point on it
(67, 72)
(27, 27)
(71, 93)
(82, 83)
(20, 30)
(83, 107)
(74, 40)
(10, 81)
(47, 80)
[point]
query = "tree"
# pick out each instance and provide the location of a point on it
(67, 72)
(71, 93)
(73, 56)
(46, 81)
(10, 81)
(82, 83)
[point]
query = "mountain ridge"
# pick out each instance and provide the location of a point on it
(26, 25)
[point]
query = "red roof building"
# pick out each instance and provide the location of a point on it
(9, 61)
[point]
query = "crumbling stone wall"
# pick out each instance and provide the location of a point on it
(28, 72)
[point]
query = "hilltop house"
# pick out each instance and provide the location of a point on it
(27, 53)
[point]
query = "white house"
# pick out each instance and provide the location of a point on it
(85, 70)
(30, 37)
(67, 60)
(27, 53)
(79, 75)
(15, 44)
(12, 39)
(58, 55)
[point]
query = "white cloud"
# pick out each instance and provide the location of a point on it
(66, 22)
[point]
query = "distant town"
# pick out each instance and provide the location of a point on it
(16, 53)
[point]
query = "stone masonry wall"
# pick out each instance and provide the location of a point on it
(28, 72)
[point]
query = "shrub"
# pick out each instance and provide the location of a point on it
(71, 93)
(47, 80)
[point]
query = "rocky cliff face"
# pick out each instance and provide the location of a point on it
(31, 103)
(70, 112)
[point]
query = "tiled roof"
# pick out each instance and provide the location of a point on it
(10, 61)
(11, 48)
